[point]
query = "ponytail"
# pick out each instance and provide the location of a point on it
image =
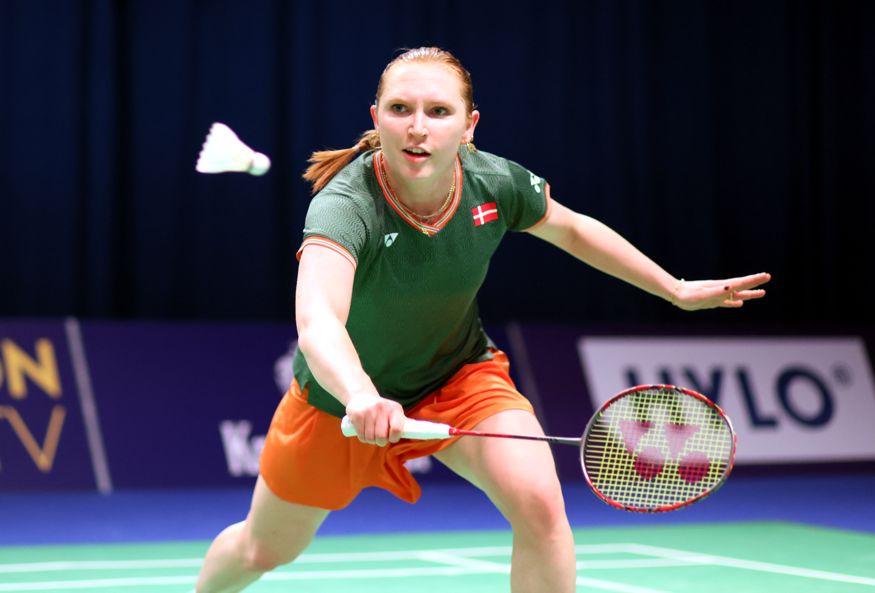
(325, 164)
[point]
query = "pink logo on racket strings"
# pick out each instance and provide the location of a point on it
(650, 462)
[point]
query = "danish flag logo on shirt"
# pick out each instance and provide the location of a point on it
(484, 213)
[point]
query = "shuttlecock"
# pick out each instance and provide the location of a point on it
(224, 152)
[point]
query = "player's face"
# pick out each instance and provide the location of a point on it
(422, 119)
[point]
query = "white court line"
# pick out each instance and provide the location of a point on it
(69, 565)
(459, 561)
(754, 565)
(465, 562)
(610, 586)
(495, 567)
(307, 558)
(96, 583)
(633, 563)
(364, 573)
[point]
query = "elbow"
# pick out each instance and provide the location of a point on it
(304, 342)
(314, 330)
(305, 335)
(309, 343)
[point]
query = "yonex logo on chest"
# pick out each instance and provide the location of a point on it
(389, 239)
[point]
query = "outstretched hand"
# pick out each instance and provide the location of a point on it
(709, 294)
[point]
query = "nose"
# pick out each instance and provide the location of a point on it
(417, 125)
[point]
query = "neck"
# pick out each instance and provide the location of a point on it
(422, 197)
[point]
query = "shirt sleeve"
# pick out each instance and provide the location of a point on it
(336, 222)
(528, 200)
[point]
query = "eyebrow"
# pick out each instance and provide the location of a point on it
(389, 98)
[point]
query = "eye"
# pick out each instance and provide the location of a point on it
(398, 108)
(440, 111)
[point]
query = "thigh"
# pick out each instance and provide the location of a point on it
(515, 474)
(277, 530)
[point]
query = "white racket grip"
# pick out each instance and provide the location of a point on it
(413, 429)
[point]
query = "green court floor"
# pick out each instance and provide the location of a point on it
(732, 558)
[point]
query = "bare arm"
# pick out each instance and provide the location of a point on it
(322, 301)
(596, 244)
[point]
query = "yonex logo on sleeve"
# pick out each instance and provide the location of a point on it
(535, 181)
(389, 239)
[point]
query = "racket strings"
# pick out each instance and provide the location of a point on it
(656, 448)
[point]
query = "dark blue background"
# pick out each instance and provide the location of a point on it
(723, 138)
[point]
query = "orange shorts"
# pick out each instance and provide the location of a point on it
(307, 460)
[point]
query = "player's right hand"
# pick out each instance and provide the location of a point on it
(377, 420)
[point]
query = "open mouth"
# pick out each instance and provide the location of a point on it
(416, 152)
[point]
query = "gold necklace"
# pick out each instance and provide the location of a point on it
(426, 218)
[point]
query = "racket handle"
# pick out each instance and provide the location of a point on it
(413, 429)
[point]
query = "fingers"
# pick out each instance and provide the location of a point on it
(744, 289)
(748, 282)
(729, 293)
(378, 421)
(731, 303)
(396, 425)
(735, 291)
(746, 295)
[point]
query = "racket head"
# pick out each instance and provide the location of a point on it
(657, 448)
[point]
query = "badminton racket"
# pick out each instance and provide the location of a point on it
(651, 448)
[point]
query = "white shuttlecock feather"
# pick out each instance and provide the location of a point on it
(224, 152)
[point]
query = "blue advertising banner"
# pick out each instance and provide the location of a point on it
(186, 404)
(552, 377)
(43, 435)
(111, 405)
(189, 404)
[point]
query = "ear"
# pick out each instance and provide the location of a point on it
(468, 136)
(374, 116)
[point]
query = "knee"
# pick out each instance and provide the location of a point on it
(263, 557)
(539, 512)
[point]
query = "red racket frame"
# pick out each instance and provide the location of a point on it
(673, 507)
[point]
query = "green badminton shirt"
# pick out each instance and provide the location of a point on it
(413, 318)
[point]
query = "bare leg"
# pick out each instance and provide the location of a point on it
(274, 533)
(520, 479)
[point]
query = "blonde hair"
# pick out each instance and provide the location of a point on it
(325, 164)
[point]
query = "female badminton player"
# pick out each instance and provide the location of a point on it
(396, 244)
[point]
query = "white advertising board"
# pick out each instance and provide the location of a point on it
(800, 399)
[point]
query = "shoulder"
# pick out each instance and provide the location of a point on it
(355, 180)
(479, 162)
(493, 168)
(346, 212)
(520, 195)
(352, 190)
(496, 173)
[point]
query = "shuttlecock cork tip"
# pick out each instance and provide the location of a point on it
(260, 164)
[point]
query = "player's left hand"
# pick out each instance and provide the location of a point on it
(709, 294)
